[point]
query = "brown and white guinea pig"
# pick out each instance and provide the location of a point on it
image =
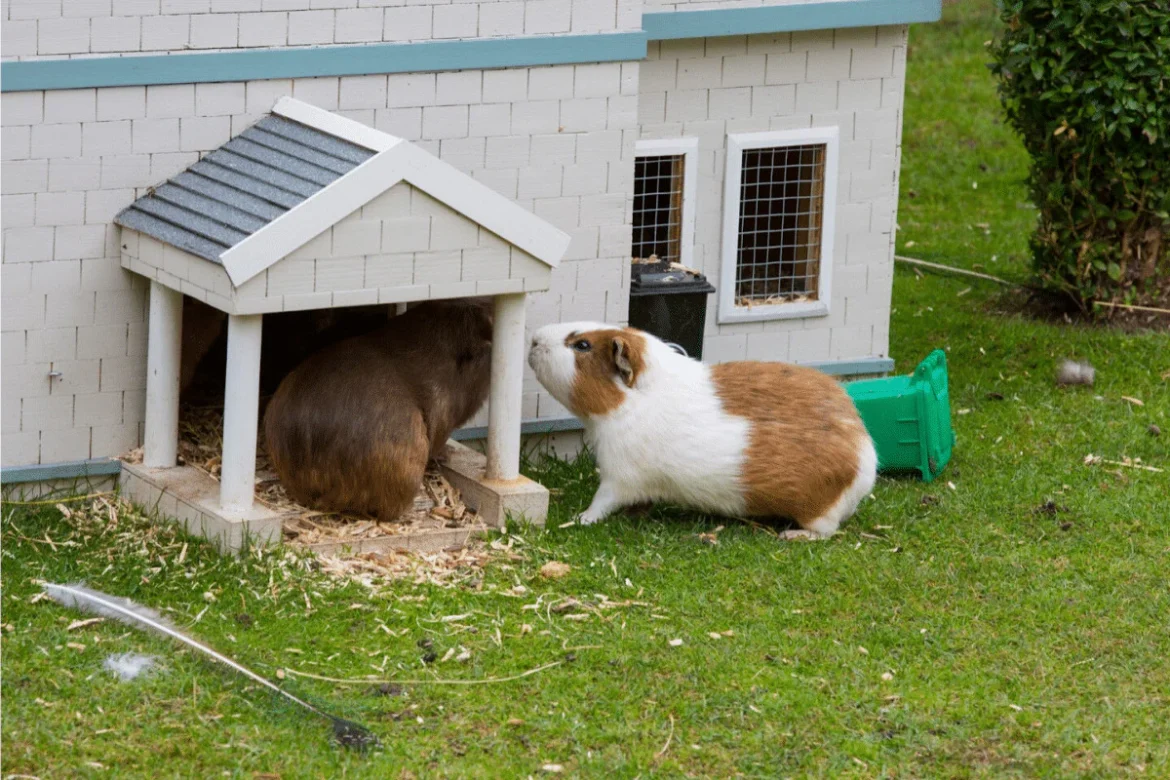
(739, 439)
(352, 428)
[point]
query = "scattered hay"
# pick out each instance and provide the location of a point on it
(437, 506)
(445, 568)
(339, 537)
(554, 570)
(774, 300)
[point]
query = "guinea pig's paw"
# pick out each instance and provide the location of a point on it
(585, 518)
(802, 535)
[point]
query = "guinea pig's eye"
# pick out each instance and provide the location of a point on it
(582, 346)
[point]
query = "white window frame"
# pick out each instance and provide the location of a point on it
(688, 148)
(728, 311)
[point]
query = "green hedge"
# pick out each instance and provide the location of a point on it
(1086, 84)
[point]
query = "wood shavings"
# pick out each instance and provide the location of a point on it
(685, 269)
(352, 547)
(445, 568)
(773, 300)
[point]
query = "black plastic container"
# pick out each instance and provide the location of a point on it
(671, 304)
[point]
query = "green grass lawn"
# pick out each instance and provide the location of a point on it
(956, 629)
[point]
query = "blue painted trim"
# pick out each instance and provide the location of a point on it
(430, 56)
(788, 18)
(527, 428)
(871, 365)
(96, 467)
(323, 61)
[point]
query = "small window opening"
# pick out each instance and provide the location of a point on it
(781, 215)
(658, 209)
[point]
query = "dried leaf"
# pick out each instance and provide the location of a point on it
(554, 570)
(567, 605)
(1132, 400)
(675, 643)
(76, 624)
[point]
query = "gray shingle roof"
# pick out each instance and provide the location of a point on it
(240, 187)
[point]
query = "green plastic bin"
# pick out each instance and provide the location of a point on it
(909, 417)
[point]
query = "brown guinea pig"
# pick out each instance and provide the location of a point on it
(352, 428)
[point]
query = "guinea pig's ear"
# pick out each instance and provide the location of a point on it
(621, 361)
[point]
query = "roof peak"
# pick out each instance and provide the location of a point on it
(295, 173)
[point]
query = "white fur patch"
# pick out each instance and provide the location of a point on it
(670, 440)
(554, 363)
(828, 523)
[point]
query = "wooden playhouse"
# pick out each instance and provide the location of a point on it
(308, 210)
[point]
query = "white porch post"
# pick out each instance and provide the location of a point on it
(241, 409)
(503, 443)
(163, 347)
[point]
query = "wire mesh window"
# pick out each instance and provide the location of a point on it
(781, 217)
(658, 208)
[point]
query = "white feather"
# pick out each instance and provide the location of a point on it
(131, 613)
(122, 609)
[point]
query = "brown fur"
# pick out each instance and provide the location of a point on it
(805, 433)
(614, 355)
(353, 426)
(202, 327)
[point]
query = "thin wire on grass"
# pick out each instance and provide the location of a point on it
(1132, 306)
(358, 681)
(960, 271)
(669, 737)
(68, 500)
(1005, 282)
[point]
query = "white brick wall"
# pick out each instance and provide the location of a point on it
(559, 140)
(35, 29)
(82, 314)
(848, 78)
